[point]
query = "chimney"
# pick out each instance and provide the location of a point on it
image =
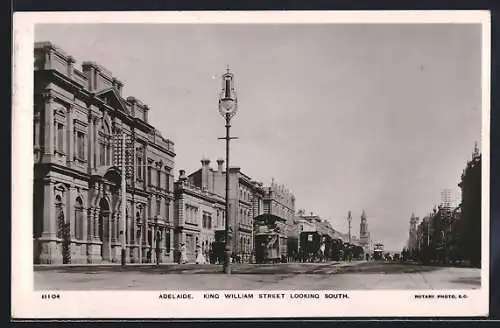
(220, 163)
(117, 85)
(205, 165)
(90, 71)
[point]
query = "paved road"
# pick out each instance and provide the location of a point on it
(293, 276)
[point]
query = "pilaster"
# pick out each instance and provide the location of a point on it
(84, 225)
(49, 224)
(48, 143)
(70, 137)
(96, 224)
(90, 224)
(92, 141)
(70, 211)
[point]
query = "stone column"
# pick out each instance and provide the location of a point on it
(153, 243)
(96, 224)
(145, 231)
(70, 210)
(113, 227)
(84, 225)
(47, 250)
(49, 224)
(48, 142)
(91, 143)
(70, 136)
(90, 224)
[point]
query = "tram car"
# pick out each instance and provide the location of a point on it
(218, 248)
(378, 252)
(270, 239)
(270, 247)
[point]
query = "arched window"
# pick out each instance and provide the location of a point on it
(79, 218)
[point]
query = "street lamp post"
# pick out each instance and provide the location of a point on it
(228, 105)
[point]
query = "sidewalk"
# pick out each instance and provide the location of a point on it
(107, 264)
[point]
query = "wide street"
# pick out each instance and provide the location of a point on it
(291, 276)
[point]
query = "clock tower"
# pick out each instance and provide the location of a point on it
(364, 234)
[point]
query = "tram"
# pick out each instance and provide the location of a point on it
(270, 239)
(378, 251)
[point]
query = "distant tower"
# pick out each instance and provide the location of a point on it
(412, 240)
(364, 235)
(349, 220)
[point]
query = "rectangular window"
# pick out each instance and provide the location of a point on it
(102, 151)
(80, 145)
(149, 173)
(167, 181)
(108, 154)
(158, 178)
(167, 210)
(158, 207)
(139, 168)
(60, 138)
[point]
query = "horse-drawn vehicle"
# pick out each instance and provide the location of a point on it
(316, 246)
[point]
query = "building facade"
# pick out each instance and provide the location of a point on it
(246, 201)
(77, 191)
(198, 214)
(279, 201)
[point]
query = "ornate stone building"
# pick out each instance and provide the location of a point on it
(279, 201)
(76, 185)
(198, 214)
(245, 200)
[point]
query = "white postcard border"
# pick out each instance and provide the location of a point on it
(27, 303)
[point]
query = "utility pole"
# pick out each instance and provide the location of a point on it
(123, 201)
(122, 159)
(349, 221)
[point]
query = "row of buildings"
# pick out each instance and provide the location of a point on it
(451, 233)
(79, 116)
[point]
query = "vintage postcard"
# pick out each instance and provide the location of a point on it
(250, 164)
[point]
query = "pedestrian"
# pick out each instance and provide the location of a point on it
(322, 252)
(158, 251)
(183, 257)
(199, 255)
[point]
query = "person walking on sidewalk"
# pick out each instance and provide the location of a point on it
(199, 255)
(183, 257)
(158, 248)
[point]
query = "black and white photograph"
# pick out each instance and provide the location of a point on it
(255, 161)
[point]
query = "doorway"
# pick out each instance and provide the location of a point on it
(104, 229)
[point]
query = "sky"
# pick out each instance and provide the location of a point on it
(354, 117)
